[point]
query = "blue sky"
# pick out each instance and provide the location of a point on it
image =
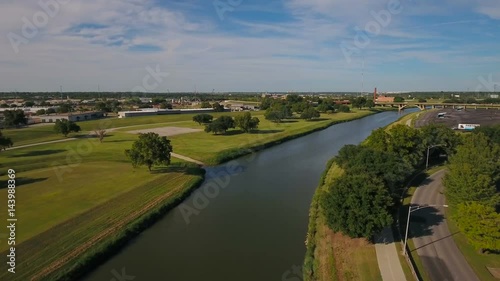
(243, 45)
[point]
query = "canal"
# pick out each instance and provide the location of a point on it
(247, 222)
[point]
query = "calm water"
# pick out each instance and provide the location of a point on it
(253, 228)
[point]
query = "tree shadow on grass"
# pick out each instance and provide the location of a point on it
(264, 132)
(288, 121)
(188, 170)
(21, 181)
(39, 153)
(317, 119)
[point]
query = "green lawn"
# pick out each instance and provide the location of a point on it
(70, 193)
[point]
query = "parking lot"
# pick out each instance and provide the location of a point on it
(453, 117)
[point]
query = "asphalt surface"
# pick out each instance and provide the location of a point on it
(440, 256)
(454, 117)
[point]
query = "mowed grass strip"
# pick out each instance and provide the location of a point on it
(45, 249)
(46, 201)
(215, 149)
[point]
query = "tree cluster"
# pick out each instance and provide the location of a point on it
(220, 125)
(5, 142)
(361, 102)
(65, 127)
(246, 122)
(14, 118)
(203, 118)
(472, 188)
(359, 203)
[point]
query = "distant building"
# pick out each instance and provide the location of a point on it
(494, 96)
(75, 117)
(152, 112)
(385, 99)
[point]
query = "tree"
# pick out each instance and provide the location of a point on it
(357, 205)
(342, 108)
(150, 149)
(399, 99)
(65, 127)
(474, 172)
(5, 142)
(218, 107)
(40, 112)
(65, 108)
(299, 107)
(14, 118)
(278, 112)
(203, 118)
(369, 104)
(266, 103)
(381, 164)
(166, 105)
(492, 132)
(50, 111)
(406, 142)
(29, 103)
(220, 125)
(441, 135)
(246, 122)
(310, 113)
(324, 107)
(480, 224)
(100, 134)
(358, 102)
(206, 104)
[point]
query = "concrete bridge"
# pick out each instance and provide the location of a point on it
(426, 105)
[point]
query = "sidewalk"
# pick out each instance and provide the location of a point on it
(387, 256)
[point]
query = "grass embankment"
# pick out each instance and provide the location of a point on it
(77, 201)
(333, 256)
(216, 149)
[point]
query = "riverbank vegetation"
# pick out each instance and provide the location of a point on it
(473, 192)
(361, 200)
(335, 256)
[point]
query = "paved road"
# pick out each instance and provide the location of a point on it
(440, 256)
(387, 257)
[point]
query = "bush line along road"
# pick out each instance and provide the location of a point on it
(85, 221)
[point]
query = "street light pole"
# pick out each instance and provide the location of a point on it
(408, 220)
(428, 148)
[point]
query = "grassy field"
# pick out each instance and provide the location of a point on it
(334, 256)
(64, 246)
(79, 200)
